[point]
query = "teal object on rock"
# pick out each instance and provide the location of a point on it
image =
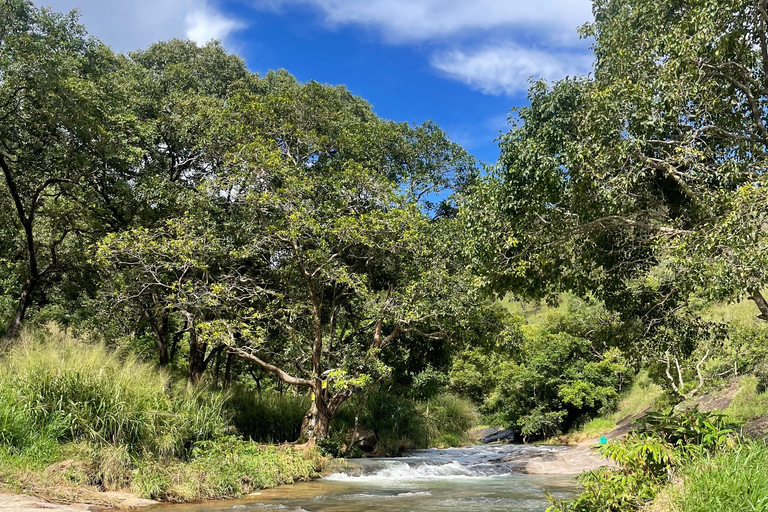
(603, 440)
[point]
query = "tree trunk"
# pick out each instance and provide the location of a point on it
(197, 362)
(228, 371)
(316, 421)
(761, 303)
(25, 299)
(160, 329)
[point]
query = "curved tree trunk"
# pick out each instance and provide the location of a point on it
(25, 299)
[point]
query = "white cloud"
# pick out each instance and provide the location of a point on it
(420, 20)
(133, 24)
(506, 69)
(205, 24)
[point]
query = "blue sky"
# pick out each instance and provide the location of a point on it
(461, 63)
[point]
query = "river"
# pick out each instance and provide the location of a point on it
(473, 479)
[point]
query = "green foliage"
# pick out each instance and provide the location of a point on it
(223, 469)
(402, 423)
(541, 380)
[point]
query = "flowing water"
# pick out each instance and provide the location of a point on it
(473, 479)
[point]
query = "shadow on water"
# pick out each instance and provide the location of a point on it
(474, 479)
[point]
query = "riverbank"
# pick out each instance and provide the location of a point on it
(25, 503)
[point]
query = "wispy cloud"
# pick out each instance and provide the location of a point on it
(494, 46)
(130, 25)
(507, 69)
(419, 20)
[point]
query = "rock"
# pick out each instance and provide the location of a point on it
(493, 435)
(364, 439)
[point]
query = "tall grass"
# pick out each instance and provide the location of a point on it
(76, 417)
(448, 419)
(731, 482)
(102, 397)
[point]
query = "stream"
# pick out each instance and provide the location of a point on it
(473, 479)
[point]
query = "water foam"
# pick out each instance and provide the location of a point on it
(404, 472)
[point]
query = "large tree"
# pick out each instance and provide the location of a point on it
(328, 239)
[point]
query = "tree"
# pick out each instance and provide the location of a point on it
(184, 88)
(628, 185)
(322, 250)
(64, 140)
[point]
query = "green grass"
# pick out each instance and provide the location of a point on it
(729, 482)
(75, 391)
(744, 312)
(448, 419)
(227, 468)
(748, 404)
(77, 418)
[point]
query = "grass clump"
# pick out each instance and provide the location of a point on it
(79, 418)
(79, 392)
(448, 419)
(226, 468)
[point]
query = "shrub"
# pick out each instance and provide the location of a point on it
(267, 416)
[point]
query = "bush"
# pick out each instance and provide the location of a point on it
(401, 423)
(552, 382)
(267, 416)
